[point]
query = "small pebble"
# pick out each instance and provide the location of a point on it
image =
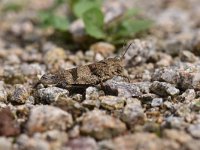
(194, 130)
(43, 118)
(133, 114)
(112, 102)
(20, 94)
(9, 126)
(99, 125)
(5, 144)
(84, 143)
(164, 89)
(51, 94)
(157, 102)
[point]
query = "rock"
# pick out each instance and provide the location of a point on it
(157, 102)
(112, 102)
(143, 86)
(175, 135)
(84, 143)
(164, 89)
(169, 105)
(12, 75)
(43, 118)
(183, 110)
(195, 105)
(196, 45)
(101, 126)
(9, 127)
(92, 93)
(139, 52)
(25, 142)
(143, 141)
(187, 56)
(178, 42)
(190, 78)
(164, 60)
(91, 103)
(54, 56)
(188, 96)
(3, 93)
(133, 114)
(74, 132)
(51, 94)
(169, 75)
(194, 130)
(122, 89)
(20, 94)
(175, 122)
(192, 145)
(55, 138)
(147, 98)
(5, 144)
(69, 105)
(103, 48)
(32, 69)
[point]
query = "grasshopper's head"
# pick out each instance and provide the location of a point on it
(48, 79)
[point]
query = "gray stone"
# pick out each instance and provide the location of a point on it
(187, 56)
(69, 105)
(176, 122)
(164, 89)
(92, 93)
(91, 103)
(84, 143)
(147, 98)
(3, 92)
(194, 130)
(176, 135)
(146, 141)
(100, 125)
(139, 52)
(169, 75)
(5, 144)
(133, 114)
(20, 94)
(24, 142)
(195, 105)
(112, 102)
(188, 95)
(190, 79)
(43, 118)
(157, 102)
(51, 94)
(183, 110)
(122, 89)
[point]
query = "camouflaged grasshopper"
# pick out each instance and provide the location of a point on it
(87, 75)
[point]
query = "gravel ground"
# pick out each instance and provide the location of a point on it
(158, 109)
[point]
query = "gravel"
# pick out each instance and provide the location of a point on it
(157, 108)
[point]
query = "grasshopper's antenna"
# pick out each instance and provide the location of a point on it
(126, 49)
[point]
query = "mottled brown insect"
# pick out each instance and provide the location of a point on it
(87, 75)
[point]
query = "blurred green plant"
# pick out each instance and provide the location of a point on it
(90, 12)
(12, 6)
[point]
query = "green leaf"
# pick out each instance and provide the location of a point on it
(81, 6)
(94, 22)
(130, 27)
(48, 19)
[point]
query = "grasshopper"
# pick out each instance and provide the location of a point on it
(87, 75)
